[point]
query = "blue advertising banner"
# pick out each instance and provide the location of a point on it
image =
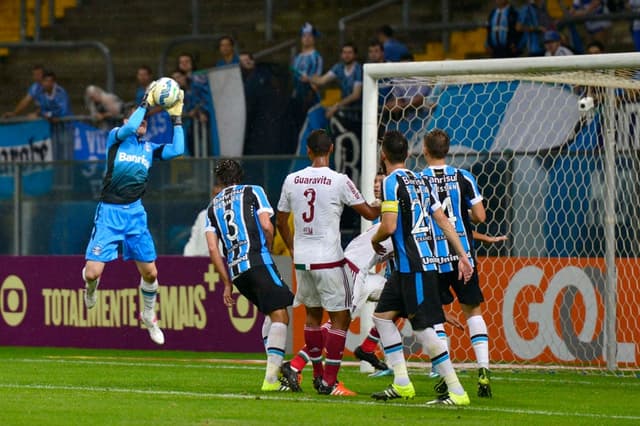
(27, 142)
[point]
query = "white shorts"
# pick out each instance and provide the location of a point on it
(326, 288)
(366, 288)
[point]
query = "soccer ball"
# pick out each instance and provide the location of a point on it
(166, 92)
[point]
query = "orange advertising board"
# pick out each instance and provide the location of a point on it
(542, 310)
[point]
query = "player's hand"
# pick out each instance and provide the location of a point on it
(453, 320)
(226, 296)
(378, 248)
(376, 203)
(465, 270)
(147, 100)
(176, 109)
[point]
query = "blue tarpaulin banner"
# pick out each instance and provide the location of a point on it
(27, 142)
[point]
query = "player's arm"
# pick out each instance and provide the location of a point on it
(131, 126)
(282, 223)
(221, 268)
(477, 213)
(267, 227)
(488, 238)
(176, 148)
(388, 225)
(367, 210)
(464, 266)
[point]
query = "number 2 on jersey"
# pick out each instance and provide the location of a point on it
(310, 195)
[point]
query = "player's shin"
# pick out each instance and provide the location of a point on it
(392, 343)
(437, 350)
(276, 342)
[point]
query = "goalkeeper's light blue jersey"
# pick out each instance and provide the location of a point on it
(458, 192)
(233, 216)
(129, 160)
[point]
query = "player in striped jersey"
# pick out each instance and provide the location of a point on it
(120, 216)
(239, 216)
(408, 207)
(316, 197)
(460, 196)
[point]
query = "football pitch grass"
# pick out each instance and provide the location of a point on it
(46, 386)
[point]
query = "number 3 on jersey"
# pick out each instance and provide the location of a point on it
(232, 228)
(310, 195)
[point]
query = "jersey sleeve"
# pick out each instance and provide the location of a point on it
(209, 223)
(351, 196)
(472, 191)
(389, 195)
(263, 201)
(284, 204)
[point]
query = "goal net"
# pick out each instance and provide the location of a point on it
(553, 144)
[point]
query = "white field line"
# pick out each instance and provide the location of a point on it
(239, 365)
(333, 401)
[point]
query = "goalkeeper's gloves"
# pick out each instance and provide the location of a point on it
(147, 100)
(176, 110)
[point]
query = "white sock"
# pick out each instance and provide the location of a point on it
(479, 339)
(442, 335)
(437, 350)
(149, 292)
(90, 284)
(266, 325)
(276, 342)
(392, 344)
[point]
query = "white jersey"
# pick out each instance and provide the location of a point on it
(316, 197)
(360, 254)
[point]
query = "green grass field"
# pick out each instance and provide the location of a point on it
(44, 386)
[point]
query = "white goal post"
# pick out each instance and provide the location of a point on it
(556, 140)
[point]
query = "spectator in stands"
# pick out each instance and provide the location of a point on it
(553, 45)
(598, 30)
(247, 64)
(634, 5)
(306, 64)
(53, 101)
(393, 49)
(375, 52)
(144, 76)
(198, 87)
(348, 73)
(533, 22)
(226, 47)
(105, 108)
(37, 71)
(595, 47)
(502, 37)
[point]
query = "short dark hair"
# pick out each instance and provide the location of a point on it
(351, 45)
(374, 42)
(228, 172)
(49, 73)
(226, 37)
(386, 30)
(596, 43)
(437, 143)
(147, 68)
(319, 142)
(37, 67)
(395, 146)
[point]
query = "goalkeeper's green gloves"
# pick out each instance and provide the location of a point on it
(148, 101)
(176, 110)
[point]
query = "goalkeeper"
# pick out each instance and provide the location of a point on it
(120, 217)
